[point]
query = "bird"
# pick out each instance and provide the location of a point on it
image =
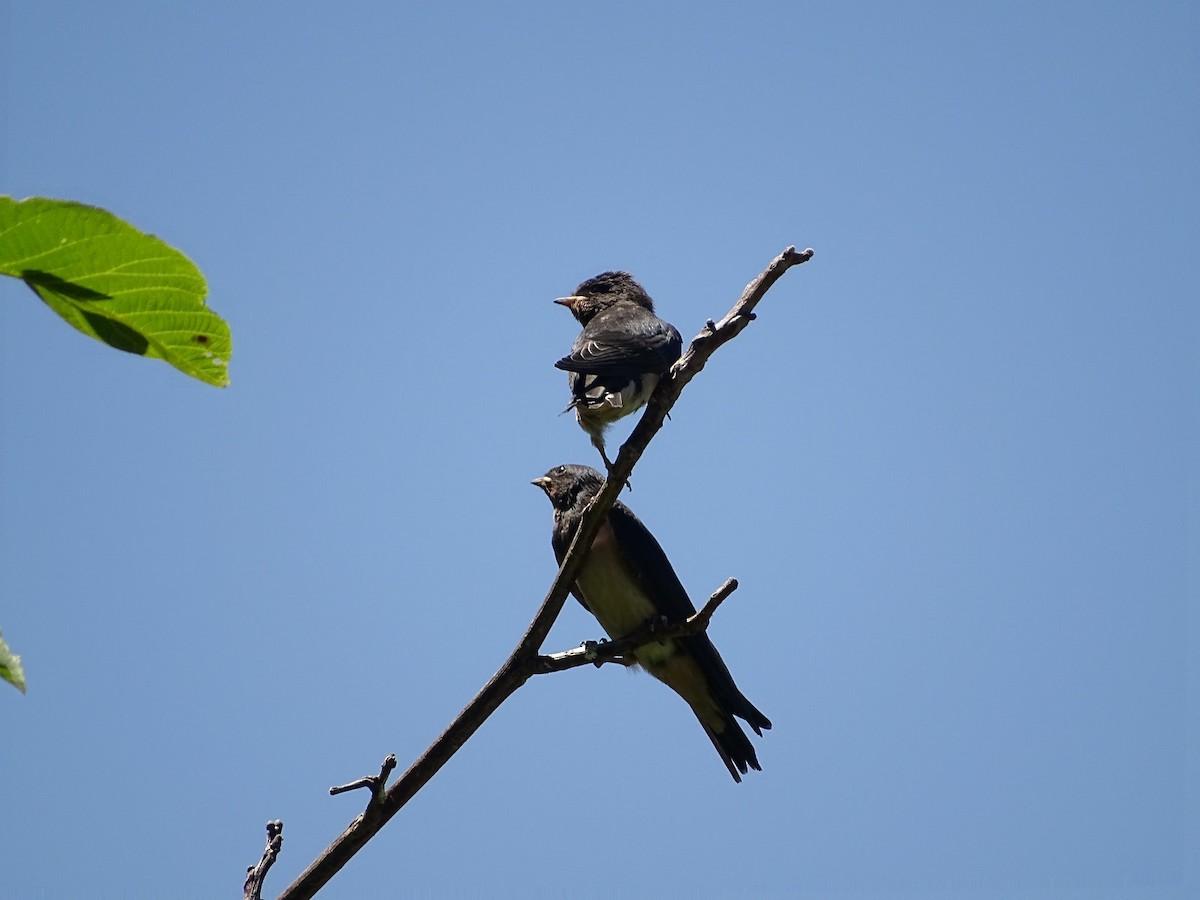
(627, 581)
(621, 354)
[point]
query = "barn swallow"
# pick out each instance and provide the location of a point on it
(619, 357)
(627, 581)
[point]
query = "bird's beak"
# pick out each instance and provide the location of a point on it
(568, 302)
(543, 483)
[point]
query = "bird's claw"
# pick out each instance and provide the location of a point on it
(654, 623)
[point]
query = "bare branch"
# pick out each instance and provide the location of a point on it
(375, 782)
(524, 661)
(699, 622)
(255, 875)
(595, 652)
(621, 651)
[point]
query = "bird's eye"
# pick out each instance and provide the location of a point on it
(560, 470)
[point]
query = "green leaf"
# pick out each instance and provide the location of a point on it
(10, 667)
(117, 284)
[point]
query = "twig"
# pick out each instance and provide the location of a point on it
(376, 783)
(693, 360)
(255, 875)
(524, 662)
(699, 621)
(620, 651)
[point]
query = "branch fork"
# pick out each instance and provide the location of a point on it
(377, 783)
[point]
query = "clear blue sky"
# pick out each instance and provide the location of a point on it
(952, 463)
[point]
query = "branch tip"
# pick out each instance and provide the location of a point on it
(718, 597)
(376, 783)
(257, 874)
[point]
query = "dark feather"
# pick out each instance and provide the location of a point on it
(624, 339)
(649, 563)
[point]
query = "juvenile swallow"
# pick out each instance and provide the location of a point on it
(619, 357)
(626, 581)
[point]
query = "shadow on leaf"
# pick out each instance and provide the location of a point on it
(68, 289)
(115, 334)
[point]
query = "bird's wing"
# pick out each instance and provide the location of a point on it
(560, 540)
(649, 564)
(624, 341)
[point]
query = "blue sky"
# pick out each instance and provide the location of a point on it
(952, 462)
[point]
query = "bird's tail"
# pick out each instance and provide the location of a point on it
(732, 744)
(744, 709)
(695, 671)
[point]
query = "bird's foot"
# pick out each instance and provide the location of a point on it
(654, 623)
(608, 467)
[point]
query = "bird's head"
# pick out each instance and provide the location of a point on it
(599, 293)
(565, 484)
